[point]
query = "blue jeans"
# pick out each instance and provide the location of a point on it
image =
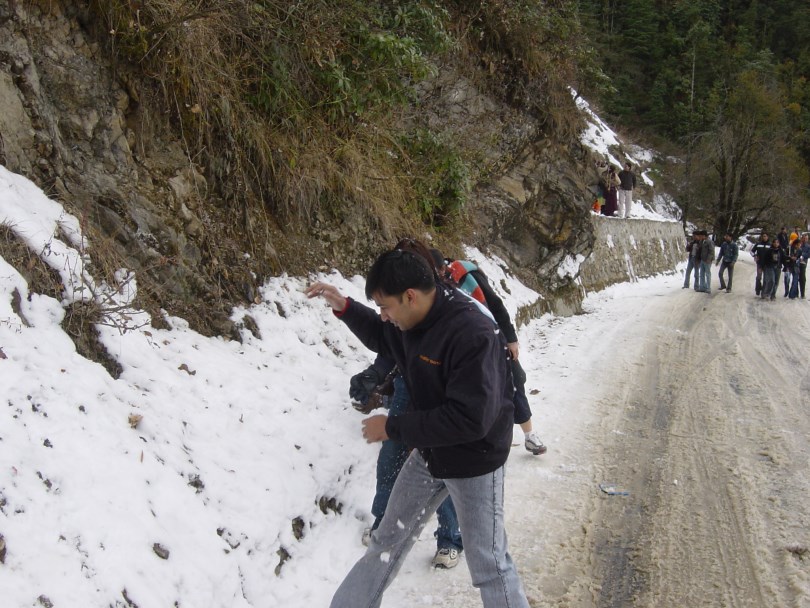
(392, 456)
(777, 273)
(728, 267)
(793, 289)
(690, 264)
(770, 280)
(416, 495)
(705, 276)
(448, 534)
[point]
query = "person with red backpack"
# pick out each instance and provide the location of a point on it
(471, 280)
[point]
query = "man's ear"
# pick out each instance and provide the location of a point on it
(410, 296)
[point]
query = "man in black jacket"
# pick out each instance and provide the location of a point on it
(760, 250)
(454, 361)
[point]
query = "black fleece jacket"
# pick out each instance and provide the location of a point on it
(456, 367)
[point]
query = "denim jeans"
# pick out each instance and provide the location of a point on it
(727, 266)
(770, 281)
(705, 276)
(416, 495)
(448, 534)
(793, 289)
(690, 264)
(392, 456)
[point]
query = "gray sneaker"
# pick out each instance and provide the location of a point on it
(534, 445)
(445, 558)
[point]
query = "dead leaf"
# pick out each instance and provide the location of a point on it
(2, 354)
(134, 420)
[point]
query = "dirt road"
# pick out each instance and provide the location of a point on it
(714, 455)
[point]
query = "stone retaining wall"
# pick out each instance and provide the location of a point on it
(628, 250)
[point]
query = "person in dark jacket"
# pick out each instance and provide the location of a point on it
(760, 250)
(729, 252)
(804, 250)
(705, 257)
(627, 184)
(772, 260)
(790, 268)
(454, 362)
(472, 280)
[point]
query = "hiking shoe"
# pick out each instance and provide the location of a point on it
(366, 537)
(534, 445)
(445, 558)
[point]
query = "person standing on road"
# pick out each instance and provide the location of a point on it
(760, 251)
(771, 266)
(706, 259)
(729, 251)
(804, 250)
(792, 270)
(627, 184)
(454, 362)
(691, 253)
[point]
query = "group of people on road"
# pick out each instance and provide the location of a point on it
(451, 353)
(701, 254)
(785, 256)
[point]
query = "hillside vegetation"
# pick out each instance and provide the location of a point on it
(310, 111)
(725, 86)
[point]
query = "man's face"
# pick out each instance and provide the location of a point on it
(402, 310)
(764, 238)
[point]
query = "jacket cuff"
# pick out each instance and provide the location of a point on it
(391, 429)
(345, 308)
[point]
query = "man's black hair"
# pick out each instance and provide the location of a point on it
(396, 270)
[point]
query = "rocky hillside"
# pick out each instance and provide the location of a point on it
(113, 140)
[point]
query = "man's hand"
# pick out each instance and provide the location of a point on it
(374, 428)
(514, 350)
(329, 293)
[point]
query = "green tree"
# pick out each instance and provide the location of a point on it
(745, 172)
